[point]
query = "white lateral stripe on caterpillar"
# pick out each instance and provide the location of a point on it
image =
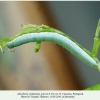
(57, 38)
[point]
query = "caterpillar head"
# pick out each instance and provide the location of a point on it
(3, 43)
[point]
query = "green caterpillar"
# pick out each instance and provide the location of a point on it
(41, 33)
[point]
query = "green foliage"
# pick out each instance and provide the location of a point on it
(96, 87)
(37, 46)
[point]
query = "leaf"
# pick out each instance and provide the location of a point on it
(95, 87)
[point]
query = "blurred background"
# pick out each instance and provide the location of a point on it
(53, 67)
